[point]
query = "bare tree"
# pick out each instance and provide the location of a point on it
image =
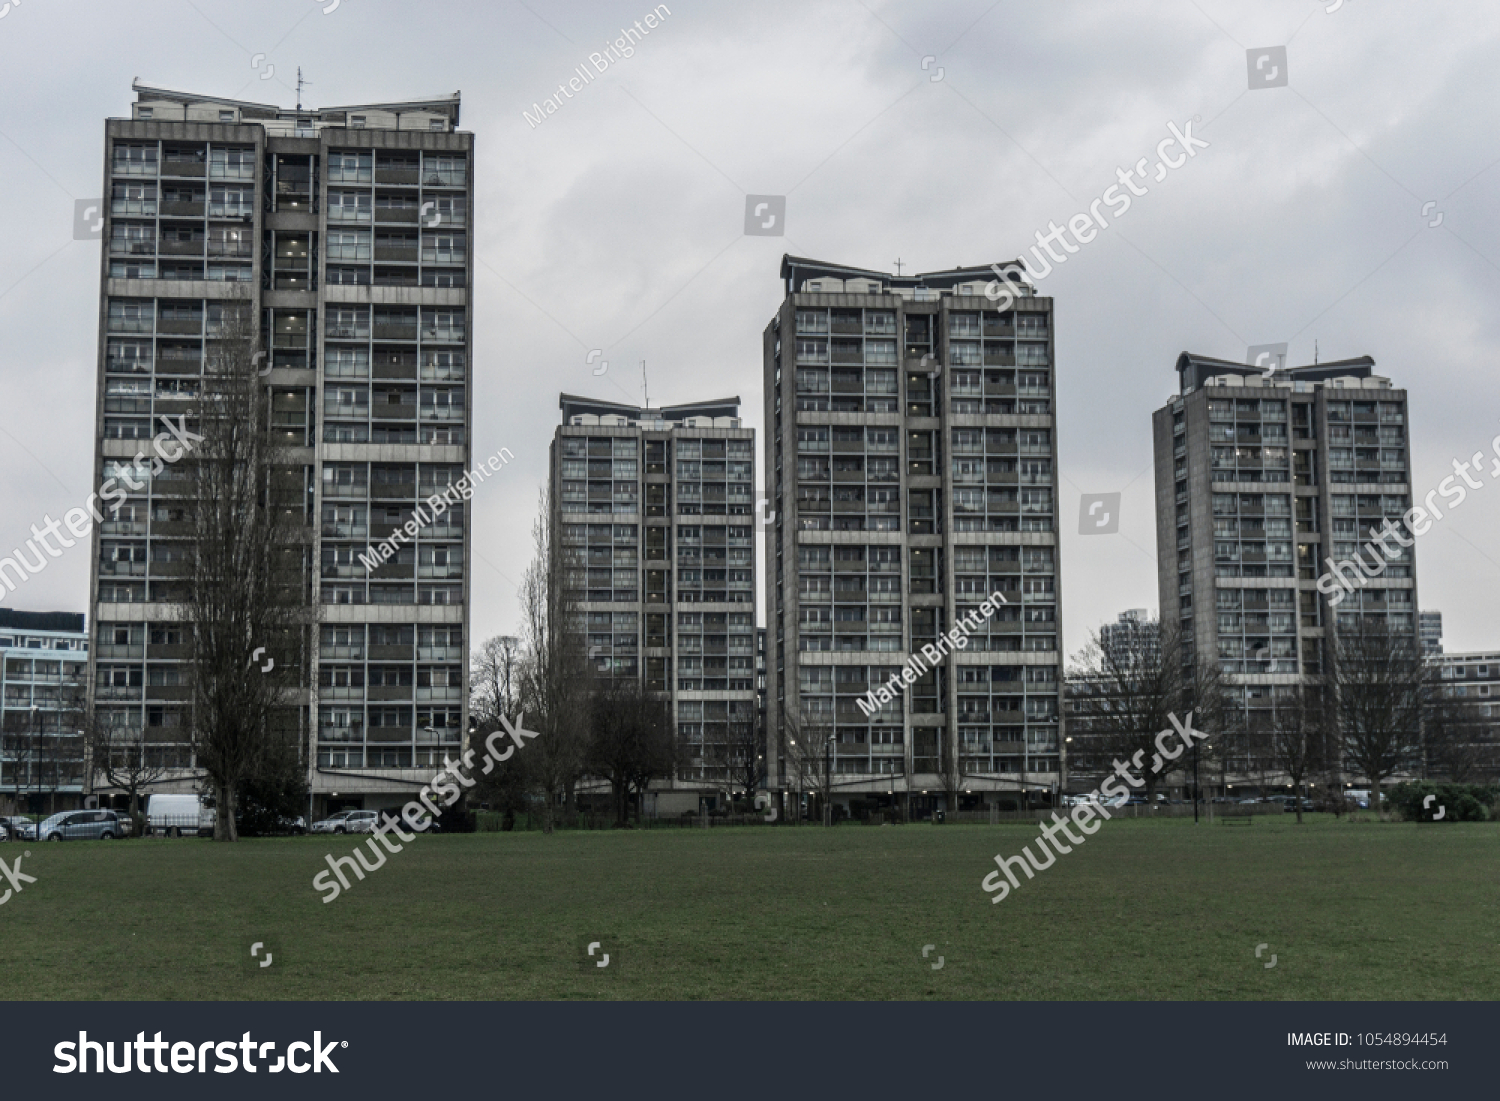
(951, 767)
(809, 749)
(745, 756)
(632, 741)
(1300, 733)
(1460, 742)
(246, 596)
(1126, 689)
(1381, 690)
(120, 756)
(555, 675)
(46, 751)
(494, 680)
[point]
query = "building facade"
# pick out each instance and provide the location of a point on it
(911, 464)
(43, 673)
(655, 513)
(340, 237)
(1261, 480)
(1430, 624)
(1134, 632)
(1464, 743)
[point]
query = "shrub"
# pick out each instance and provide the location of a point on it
(1460, 802)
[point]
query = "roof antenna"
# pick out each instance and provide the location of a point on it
(645, 390)
(1315, 353)
(898, 267)
(300, 82)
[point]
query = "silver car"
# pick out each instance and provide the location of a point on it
(79, 825)
(19, 828)
(347, 821)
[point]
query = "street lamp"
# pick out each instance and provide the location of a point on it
(37, 756)
(1196, 792)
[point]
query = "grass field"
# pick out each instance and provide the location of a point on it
(1144, 910)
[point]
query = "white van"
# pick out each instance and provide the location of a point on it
(179, 816)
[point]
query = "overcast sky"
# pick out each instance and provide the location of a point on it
(618, 223)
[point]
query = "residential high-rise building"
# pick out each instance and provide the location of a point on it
(655, 512)
(1261, 479)
(1430, 624)
(911, 464)
(340, 237)
(1134, 633)
(43, 671)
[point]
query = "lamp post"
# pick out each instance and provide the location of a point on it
(1195, 783)
(37, 758)
(828, 781)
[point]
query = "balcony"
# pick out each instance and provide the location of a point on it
(402, 175)
(176, 209)
(406, 254)
(359, 490)
(186, 327)
(182, 248)
(404, 411)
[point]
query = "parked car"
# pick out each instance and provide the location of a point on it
(179, 816)
(347, 821)
(80, 825)
(264, 825)
(19, 828)
(393, 815)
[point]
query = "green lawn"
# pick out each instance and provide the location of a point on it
(1144, 910)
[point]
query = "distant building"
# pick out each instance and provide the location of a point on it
(340, 236)
(1135, 631)
(911, 458)
(1430, 627)
(760, 701)
(655, 509)
(1261, 480)
(43, 671)
(1464, 745)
